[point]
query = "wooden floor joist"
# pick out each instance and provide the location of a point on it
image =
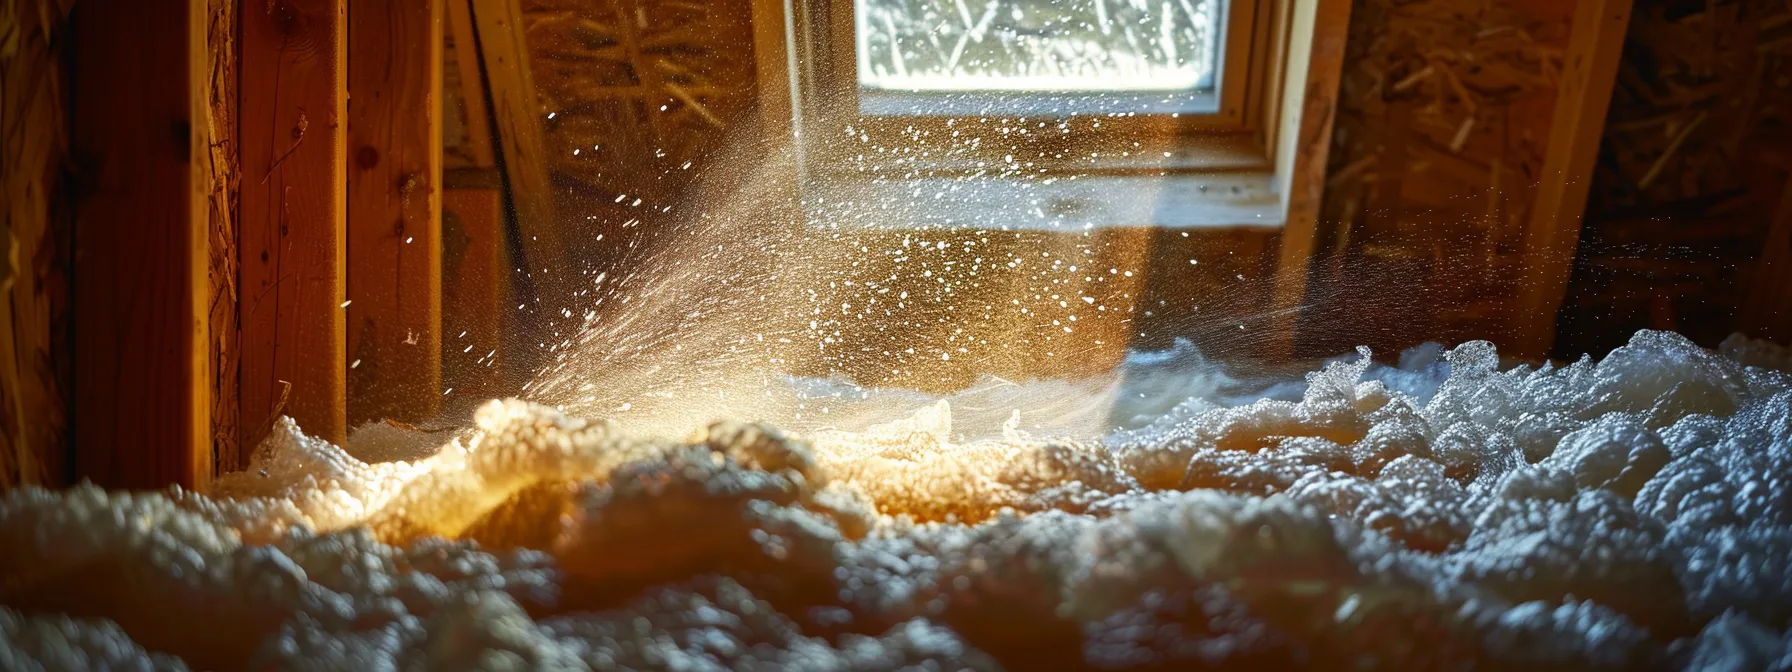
(292, 280)
(394, 331)
(142, 404)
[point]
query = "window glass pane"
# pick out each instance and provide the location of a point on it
(1081, 46)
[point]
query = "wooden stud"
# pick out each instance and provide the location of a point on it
(1317, 37)
(142, 359)
(776, 65)
(518, 117)
(473, 91)
(1277, 19)
(473, 273)
(474, 278)
(394, 334)
(1767, 311)
(22, 462)
(291, 278)
(1589, 69)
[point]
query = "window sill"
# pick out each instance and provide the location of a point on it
(1048, 203)
(1048, 104)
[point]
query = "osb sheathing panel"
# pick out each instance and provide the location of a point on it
(1692, 171)
(638, 90)
(34, 367)
(220, 40)
(1444, 117)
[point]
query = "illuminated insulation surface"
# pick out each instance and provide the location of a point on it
(1631, 513)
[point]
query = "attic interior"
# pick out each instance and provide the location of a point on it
(896, 334)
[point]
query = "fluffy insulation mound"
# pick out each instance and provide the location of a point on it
(1632, 513)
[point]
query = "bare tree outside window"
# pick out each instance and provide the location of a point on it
(1046, 46)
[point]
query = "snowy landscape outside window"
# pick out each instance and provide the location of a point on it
(943, 57)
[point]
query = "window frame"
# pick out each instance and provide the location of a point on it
(1238, 136)
(1306, 54)
(1282, 156)
(1235, 58)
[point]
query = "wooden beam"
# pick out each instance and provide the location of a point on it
(1767, 311)
(1595, 42)
(142, 378)
(1317, 32)
(475, 279)
(394, 335)
(473, 275)
(473, 92)
(518, 118)
(775, 62)
(293, 205)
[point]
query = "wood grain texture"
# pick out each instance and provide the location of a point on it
(518, 117)
(475, 114)
(775, 67)
(1444, 108)
(1317, 35)
(1767, 312)
(394, 332)
(142, 392)
(473, 284)
(1589, 69)
(34, 251)
(291, 278)
(1692, 171)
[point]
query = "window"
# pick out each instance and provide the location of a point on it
(1016, 99)
(941, 57)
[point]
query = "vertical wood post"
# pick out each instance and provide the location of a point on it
(292, 288)
(142, 138)
(775, 67)
(472, 92)
(394, 335)
(516, 110)
(474, 273)
(1318, 35)
(1767, 310)
(1589, 70)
